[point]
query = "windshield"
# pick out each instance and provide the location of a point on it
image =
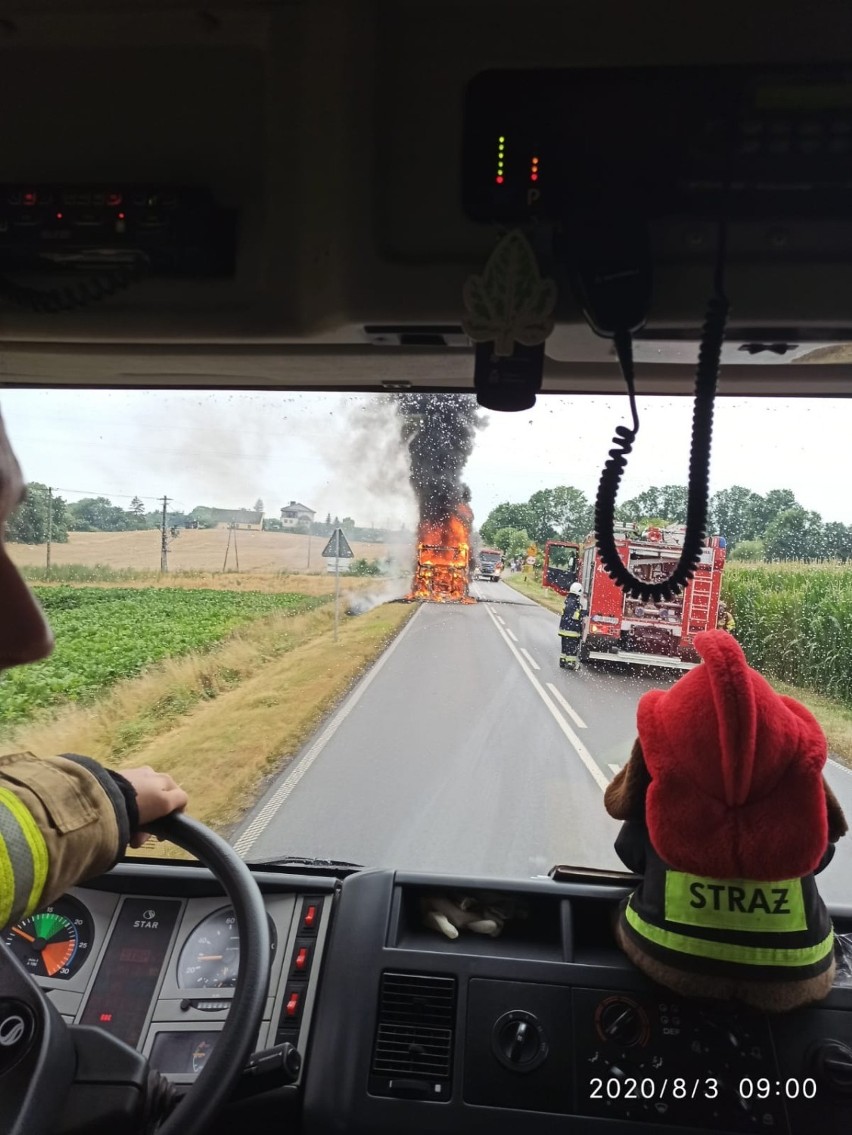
(276, 597)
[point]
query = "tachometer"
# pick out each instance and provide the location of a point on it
(53, 942)
(210, 959)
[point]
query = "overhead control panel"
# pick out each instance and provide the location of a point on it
(163, 230)
(749, 142)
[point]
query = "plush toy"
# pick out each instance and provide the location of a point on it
(728, 818)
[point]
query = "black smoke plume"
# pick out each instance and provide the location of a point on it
(438, 430)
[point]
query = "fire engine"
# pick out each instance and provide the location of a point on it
(561, 565)
(621, 629)
(489, 564)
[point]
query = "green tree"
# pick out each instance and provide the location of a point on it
(753, 550)
(203, 515)
(512, 542)
(795, 534)
(137, 507)
(258, 505)
(28, 524)
(737, 514)
(838, 541)
(772, 505)
(97, 514)
(506, 515)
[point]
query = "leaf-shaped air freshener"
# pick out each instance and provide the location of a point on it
(510, 302)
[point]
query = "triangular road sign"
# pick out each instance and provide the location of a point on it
(338, 547)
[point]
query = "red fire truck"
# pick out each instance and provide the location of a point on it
(561, 565)
(621, 629)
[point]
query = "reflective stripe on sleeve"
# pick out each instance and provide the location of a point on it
(23, 858)
(728, 951)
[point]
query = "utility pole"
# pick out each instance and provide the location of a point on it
(336, 588)
(49, 530)
(164, 541)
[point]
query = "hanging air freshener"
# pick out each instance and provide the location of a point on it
(509, 315)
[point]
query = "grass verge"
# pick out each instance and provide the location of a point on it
(223, 752)
(530, 587)
(834, 717)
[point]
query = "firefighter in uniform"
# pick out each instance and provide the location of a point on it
(728, 818)
(725, 619)
(571, 628)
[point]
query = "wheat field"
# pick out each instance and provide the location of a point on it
(197, 549)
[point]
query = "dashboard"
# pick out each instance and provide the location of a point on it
(545, 1028)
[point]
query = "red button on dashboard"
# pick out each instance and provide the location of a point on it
(310, 916)
(292, 1005)
(301, 958)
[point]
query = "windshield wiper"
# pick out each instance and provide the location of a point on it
(300, 861)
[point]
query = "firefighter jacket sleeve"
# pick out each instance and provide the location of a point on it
(62, 820)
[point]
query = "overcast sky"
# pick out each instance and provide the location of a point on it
(227, 449)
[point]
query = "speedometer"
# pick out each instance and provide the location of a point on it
(210, 958)
(53, 942)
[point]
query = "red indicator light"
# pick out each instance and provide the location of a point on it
(113, 199)
(59, 216)
(533, 177)
(121, 216)
(499, 180)
(105, 1017)
(30, 198)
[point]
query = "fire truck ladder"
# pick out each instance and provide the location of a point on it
(700, 589)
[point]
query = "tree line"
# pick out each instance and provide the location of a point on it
(37, 513)
(770, 527)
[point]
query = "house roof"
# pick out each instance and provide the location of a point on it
(294, 506)
(235, 516)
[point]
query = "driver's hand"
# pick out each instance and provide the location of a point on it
(157, 795)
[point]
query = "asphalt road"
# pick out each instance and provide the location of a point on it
(467, 750)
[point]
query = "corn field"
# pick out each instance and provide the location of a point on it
(794, 622)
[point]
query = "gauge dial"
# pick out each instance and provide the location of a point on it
(200, 1053)
(210, 959)
(55, 941)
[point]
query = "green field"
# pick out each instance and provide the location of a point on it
(106, 634)
(794, 622)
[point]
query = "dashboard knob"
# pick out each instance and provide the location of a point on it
(518, 1041)
(621, 1021)
(831, 1063)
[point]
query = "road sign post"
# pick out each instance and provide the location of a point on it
(337, 549)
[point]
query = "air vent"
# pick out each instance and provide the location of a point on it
(414, 1040)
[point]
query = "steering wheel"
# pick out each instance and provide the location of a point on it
(42, 1060)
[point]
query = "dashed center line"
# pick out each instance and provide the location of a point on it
(530, 658)
(572, 713)
(571, 737)
(510, 633)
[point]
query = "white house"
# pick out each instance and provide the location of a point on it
(294, 514)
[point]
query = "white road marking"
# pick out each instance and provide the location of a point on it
(572, 713)
(500, 619)
(572, 738)
(530, 658)
(615, 769)
(837, 764)
(266, 814)
(510, 633)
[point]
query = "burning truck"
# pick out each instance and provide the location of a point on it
(442, 569)
(438, 432)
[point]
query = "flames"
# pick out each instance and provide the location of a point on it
(442, 571)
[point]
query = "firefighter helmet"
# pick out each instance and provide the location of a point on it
(575, 589)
